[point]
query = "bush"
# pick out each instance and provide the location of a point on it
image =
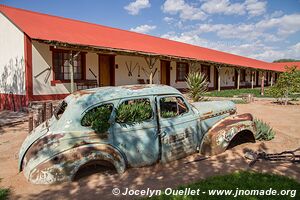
(263, 131)
(197, 85)
(135, 112)
(287, 84)
(4, 194)
(98, 118)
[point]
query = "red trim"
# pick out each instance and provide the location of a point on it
(46, 97)
(28, 68)
(12, 101)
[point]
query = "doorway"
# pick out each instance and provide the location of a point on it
(106, 70)
(165, 72)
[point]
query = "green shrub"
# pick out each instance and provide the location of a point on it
(168, 114)
(98, 118)
(239, 101)
(287, 84)
(263, 131)
(134, 112)
(197, 85)
(4, 194)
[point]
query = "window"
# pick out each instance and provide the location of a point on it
(134, 111)
(243, 75)
(182, 70)
(172, 107)
(98, 118)
(61, 65)
(205, 69)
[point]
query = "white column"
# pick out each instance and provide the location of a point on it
(252, 79)
(238, 78)
(71, 72)
(262, 91)
(219, 78)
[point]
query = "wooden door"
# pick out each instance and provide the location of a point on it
(106, 70)
(165, 72)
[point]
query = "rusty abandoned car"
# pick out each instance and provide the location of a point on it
(128, 126)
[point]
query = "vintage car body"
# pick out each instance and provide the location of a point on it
(58, 148)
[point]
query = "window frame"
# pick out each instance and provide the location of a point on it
(181, 79)
(83, 67)
(135, 98)
(176, 96)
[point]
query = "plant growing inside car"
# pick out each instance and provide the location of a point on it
(134, 112)
(197, 85)
(98, 118)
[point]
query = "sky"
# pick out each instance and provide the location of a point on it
(260, 29)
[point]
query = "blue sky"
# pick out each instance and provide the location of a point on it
(260, 29)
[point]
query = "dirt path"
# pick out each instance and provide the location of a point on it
(286, 121)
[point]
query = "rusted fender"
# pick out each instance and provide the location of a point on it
(217, 139)
(64, 165)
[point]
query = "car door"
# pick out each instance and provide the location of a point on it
(178, 127)
(135, 131)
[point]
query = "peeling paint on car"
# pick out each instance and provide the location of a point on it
(56, 152)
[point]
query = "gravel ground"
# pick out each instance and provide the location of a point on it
(284, 119)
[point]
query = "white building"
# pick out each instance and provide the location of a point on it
(36, 50)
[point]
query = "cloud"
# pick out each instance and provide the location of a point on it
(285, 25)
(168, 19)
(183, 9)
(143, 28)
(223, 7)
(272, 54)
(252, 7)
(134, 7)
(255, 7)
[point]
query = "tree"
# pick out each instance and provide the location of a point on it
(197, 85)
(285, 60)
(287, 84)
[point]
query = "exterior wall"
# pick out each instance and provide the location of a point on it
(42, 59)
(12, 65)
(93, 64)
(122, 74)
(173, 82)
(227, 77)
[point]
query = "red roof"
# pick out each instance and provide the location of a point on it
(47, 27)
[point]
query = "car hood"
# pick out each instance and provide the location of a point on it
(209, 109)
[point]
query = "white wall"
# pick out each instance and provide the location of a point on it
(42, 59)
(121, 74)
(92, 63)
(12, 65)
(227, 76)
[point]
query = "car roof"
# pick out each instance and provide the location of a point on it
(89, 97)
